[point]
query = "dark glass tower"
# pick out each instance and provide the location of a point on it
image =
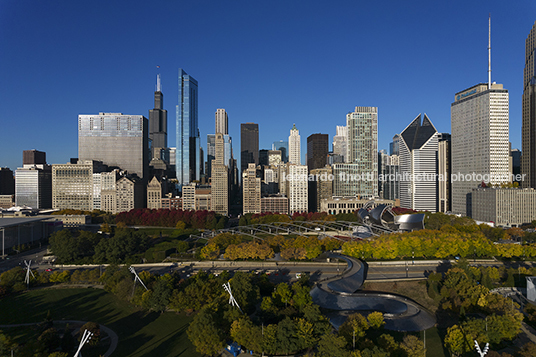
(158, 120)
(317, 151)
(188, 142)
(249, 145)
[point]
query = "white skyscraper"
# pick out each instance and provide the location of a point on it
(294, 146)
(418, 165)
(362, 148)
(297, 188)
(340, 141)
(479, 123)
(222, 122)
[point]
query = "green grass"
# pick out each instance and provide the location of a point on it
(140, 333)
(434, 344)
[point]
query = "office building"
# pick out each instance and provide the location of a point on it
(249, 145)
(322, 186)
(158, 121)
(116, 139)
(203, 198)
(391, 179)
(317, 151)
(222, 122)
(336, 205)
(515, 156)
(528, 131)
(294, 155)
(347, 180)
(7, 181)
(188, 197)
(274, 204)
(504, 206)
(297, 188)
(362, 147)
(187, 151)
(394, 146)
(274, 157)
(72, 185)
(444, 190)
(251, 190)
(154, 194)
(33, 186)
(340, 141)
(282, 146)
(34, 157)
(418, 165)
(480, 146)
(220, 178)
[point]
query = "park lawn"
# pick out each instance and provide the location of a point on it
(140, 333)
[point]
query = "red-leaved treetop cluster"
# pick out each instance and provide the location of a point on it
(168, 218)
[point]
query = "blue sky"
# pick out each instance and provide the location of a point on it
(271, 62)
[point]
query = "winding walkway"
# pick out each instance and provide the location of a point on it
(342, 294)
(113, 336)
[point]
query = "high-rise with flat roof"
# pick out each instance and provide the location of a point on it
(317, 151)
(187, 164)
(251, 190)
(118, 140)
(528, 131)
(362, 148)
(249, 145)
(479, 138)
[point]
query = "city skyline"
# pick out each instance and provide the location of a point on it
(52, 74)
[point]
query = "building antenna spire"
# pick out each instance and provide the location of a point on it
(158, 86)
(489, 52)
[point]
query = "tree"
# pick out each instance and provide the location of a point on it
(204, 332)
(160, 296)
(413, 346)
(455, 340)
(375, 320)
(6, 344)
(528, 349)
(331, 345)
(282, 294)
(287, 336)
(50, 339)
(245, 333)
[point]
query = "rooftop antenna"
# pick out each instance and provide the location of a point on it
(28, 272)
(136, 277)
(232, 300)
(158, 86)
(489, 52)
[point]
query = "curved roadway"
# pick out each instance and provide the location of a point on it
(341, 294)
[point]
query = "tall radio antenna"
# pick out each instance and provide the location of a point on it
(489, 52)
(158, 86)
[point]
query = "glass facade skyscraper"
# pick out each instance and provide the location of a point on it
(188, 140)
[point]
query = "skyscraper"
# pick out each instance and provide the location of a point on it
(444, 170)
(187, 163)
(116, 139)
(249, 145)
(528, 148)
(294, 156)
(158, 120)
(362, 147)
(282, 146)
(340, 141)
(479, 122)
(251, 190)
(317, 151)
(222, 120)
(220, 178)
(418, 165)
